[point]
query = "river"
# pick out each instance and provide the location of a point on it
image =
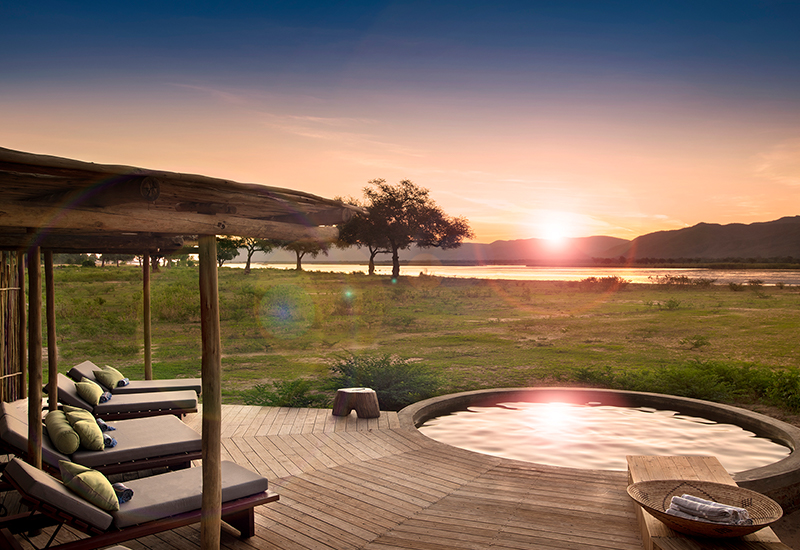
(524, 273)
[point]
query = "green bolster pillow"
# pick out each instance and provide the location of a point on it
(61, 433)
(89, 484)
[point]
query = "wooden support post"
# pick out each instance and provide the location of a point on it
(52, 346)
(22, 315)
(34, 357)
(211, 522)
(148, 346)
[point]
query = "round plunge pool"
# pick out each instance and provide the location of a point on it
(596, 436)
(596, 429)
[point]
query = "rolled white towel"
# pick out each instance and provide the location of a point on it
(708, 510)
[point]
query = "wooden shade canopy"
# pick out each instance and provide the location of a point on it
(69, 205)
(62, 205)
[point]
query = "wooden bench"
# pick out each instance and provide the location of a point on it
(657, 536)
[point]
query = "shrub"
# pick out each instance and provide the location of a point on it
(704, 283)
(736, 287)
(695, 342)
(397, 382)
(755, 284)
(603, 284)
(285, 393)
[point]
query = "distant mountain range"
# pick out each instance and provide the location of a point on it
(704, 241)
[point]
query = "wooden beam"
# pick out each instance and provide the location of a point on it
(91, 243)
(148, 347)
(331, 216)
(52, 346)
(211, 522)
(164, 221)
(34, 358)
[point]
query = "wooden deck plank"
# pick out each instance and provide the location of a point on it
(354, 483)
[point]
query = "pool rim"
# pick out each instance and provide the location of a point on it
(780, 480)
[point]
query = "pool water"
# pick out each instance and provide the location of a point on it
(597, 436)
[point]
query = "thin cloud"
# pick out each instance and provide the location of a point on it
(781, 164)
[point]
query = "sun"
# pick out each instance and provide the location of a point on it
(554, 232)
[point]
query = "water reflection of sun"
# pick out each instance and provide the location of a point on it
(553, 419)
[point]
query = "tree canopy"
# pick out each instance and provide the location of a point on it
(301, 248)
(399, 216)
(227, 249)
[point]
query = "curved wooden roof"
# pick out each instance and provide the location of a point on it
(70, 205)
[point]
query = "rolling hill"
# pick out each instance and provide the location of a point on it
(706, 241)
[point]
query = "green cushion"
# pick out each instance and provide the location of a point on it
(60, 432)
(108, 376)
(90, 434)
(74, 414)
(89, 484)
(89, 391)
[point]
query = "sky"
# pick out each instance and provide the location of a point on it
(542, 119)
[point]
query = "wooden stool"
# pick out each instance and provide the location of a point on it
(363, 400)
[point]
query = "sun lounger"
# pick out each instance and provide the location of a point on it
(133, 405)
(87, 368)
(142, 443)
(160, 503)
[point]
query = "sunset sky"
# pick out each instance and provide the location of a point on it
(530, 118)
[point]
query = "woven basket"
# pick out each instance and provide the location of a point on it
(655, 497)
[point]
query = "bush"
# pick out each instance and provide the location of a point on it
(285, 393)
(397, 382)
(695, 342)
(603, 284)
(709, 380)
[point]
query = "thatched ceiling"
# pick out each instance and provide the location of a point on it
(70, 205)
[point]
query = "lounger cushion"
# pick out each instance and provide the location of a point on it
(68, 394)
(91, 435)
(14, 433)
(91, 392)
(46, 488)
(143, 438)
(108, 376)
(89, 484)
(139, 402)
(135, 402)
(61, 432)
(181, 491)
(87, 368)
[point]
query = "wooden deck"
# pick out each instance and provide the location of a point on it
(348, 483)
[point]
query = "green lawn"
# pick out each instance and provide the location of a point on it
(282, 325)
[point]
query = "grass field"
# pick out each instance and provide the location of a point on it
(283, 325)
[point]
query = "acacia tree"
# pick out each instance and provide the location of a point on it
(301, 248)
(399, 216)
(227, 249)
(360, 231)
(253, 245)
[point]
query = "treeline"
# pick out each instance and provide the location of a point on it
(780, 262)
